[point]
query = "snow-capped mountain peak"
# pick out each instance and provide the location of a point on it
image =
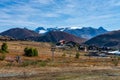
(84, 32)
(40, 30)
(75, 27)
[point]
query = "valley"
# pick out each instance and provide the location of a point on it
(59, 40)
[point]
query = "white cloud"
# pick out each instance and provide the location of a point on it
(58, 12)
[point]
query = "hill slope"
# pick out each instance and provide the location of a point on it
(6, 38)
(110, 39)
(55, 36)
(19, 33)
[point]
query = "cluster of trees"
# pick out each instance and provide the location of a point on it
(30, 52)
(4, 48)
(27, 51)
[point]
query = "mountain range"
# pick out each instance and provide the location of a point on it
(52, 36)
(84, 32)
(110, 39)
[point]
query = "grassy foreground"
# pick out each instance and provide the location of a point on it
(64, 67)
(68, 73)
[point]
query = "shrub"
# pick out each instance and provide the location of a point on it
(115, 61)
(4, 48)
(29, 63)
(63, 55)
(30, 52)
(43, 64)
(25, 63)
(9, 64)
(26, 49)
(35, 52)
(77, 55)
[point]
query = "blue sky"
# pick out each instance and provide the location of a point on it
(59, 13)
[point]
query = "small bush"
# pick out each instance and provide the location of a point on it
(115, 61)
(70, 53)
(77, 55)
(35, 52)
(25, 63)
(43, 64)
(30, 52)
(63, 55)
(29, 63)
(34, 63)
(118, 58)
(9, 64)
(4, 48)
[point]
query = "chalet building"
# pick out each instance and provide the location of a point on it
(62, 42)
(66, 44)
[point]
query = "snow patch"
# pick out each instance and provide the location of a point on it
(75, 27)
(42, 31)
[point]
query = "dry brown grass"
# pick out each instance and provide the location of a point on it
(65, 73)
(17, 48)
(63, 68)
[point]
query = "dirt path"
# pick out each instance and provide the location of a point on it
(57, 73)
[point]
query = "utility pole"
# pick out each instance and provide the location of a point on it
(52, 50)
